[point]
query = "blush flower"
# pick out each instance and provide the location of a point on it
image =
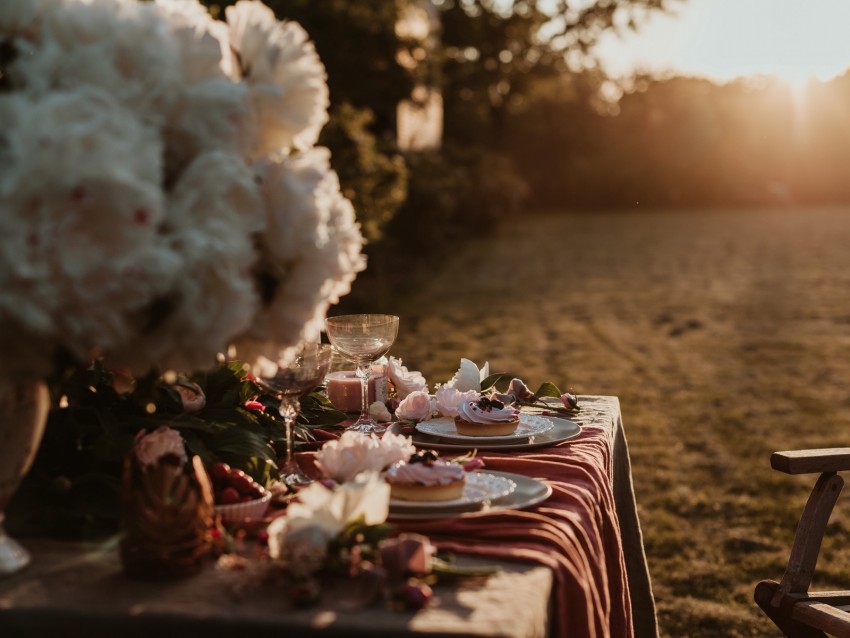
(191, 396)
(416, 407)
(448, 399)
(353, 453)
(569, 400)
(320, 514)
(405, 381)
(520, 391)
(149, 448)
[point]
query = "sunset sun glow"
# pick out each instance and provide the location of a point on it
(795, 40)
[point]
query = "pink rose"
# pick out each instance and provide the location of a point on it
(406, 555)
(570, 401)
(149, 448)
(191, 395)
(518, 389)
(448, 399)
(405, 381)
(416, 407)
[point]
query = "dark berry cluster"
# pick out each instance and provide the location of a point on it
(428, 457)
(490, 404)
(233, 486)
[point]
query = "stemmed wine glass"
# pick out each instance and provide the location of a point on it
(363, 338)
(287, 377)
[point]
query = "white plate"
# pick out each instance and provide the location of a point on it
(528, 492)
(480, 487)
(444, 428)
(563, 430)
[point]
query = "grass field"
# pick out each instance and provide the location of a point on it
(726, 336)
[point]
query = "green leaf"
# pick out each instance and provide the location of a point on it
(241, 442)
(548, 390)
(195, 445)
(492, 380)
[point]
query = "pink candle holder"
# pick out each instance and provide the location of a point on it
(343, 388)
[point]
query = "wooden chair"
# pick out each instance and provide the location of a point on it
(789, 604)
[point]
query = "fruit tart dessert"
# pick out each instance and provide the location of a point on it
(486, 417)
(424, 477)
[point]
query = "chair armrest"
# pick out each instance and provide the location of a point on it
(836, 459)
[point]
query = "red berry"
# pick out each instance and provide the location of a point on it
(414, 596)
(228, 496)
(243, 484)
(246, 499)
(220, 472)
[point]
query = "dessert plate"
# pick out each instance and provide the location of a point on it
(444, 428)
(562, 430)
(527, 493)
(480, 487)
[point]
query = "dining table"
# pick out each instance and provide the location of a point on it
(566, 549)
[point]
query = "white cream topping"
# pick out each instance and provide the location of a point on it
(471, 411)
(437, 473)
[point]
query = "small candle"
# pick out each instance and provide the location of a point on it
(343, 388)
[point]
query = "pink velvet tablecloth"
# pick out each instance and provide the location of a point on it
(587, 531)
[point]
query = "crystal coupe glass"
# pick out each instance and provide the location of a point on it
(363, 338)
(288, 375)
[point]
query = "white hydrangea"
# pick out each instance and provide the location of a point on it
(150, 209)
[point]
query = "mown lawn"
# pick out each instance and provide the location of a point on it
(726, 336)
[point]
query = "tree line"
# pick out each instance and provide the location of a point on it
(527, 124)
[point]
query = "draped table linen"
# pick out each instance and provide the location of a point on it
(573, 565)
(587, 531)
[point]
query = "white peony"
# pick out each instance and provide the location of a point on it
(313, 238)
(405, 381)
(150, 209)
(203, 42)
(448, 399)
(320, 514)
(19, 16)
(289, 94)
(121, 47)
(417, 406)
(395, 448)
(468, 376)
(353, 453)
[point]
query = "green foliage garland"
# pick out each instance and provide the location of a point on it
(73, 488)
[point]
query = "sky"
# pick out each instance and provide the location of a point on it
(724, 39)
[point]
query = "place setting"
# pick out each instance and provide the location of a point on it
(393, 405)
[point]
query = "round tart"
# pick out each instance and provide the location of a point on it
(425, 478)
(486, 417)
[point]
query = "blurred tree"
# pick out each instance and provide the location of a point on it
(495, 53)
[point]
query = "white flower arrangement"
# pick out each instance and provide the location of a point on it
(161, 197)
(299, 540)
(353, 453)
